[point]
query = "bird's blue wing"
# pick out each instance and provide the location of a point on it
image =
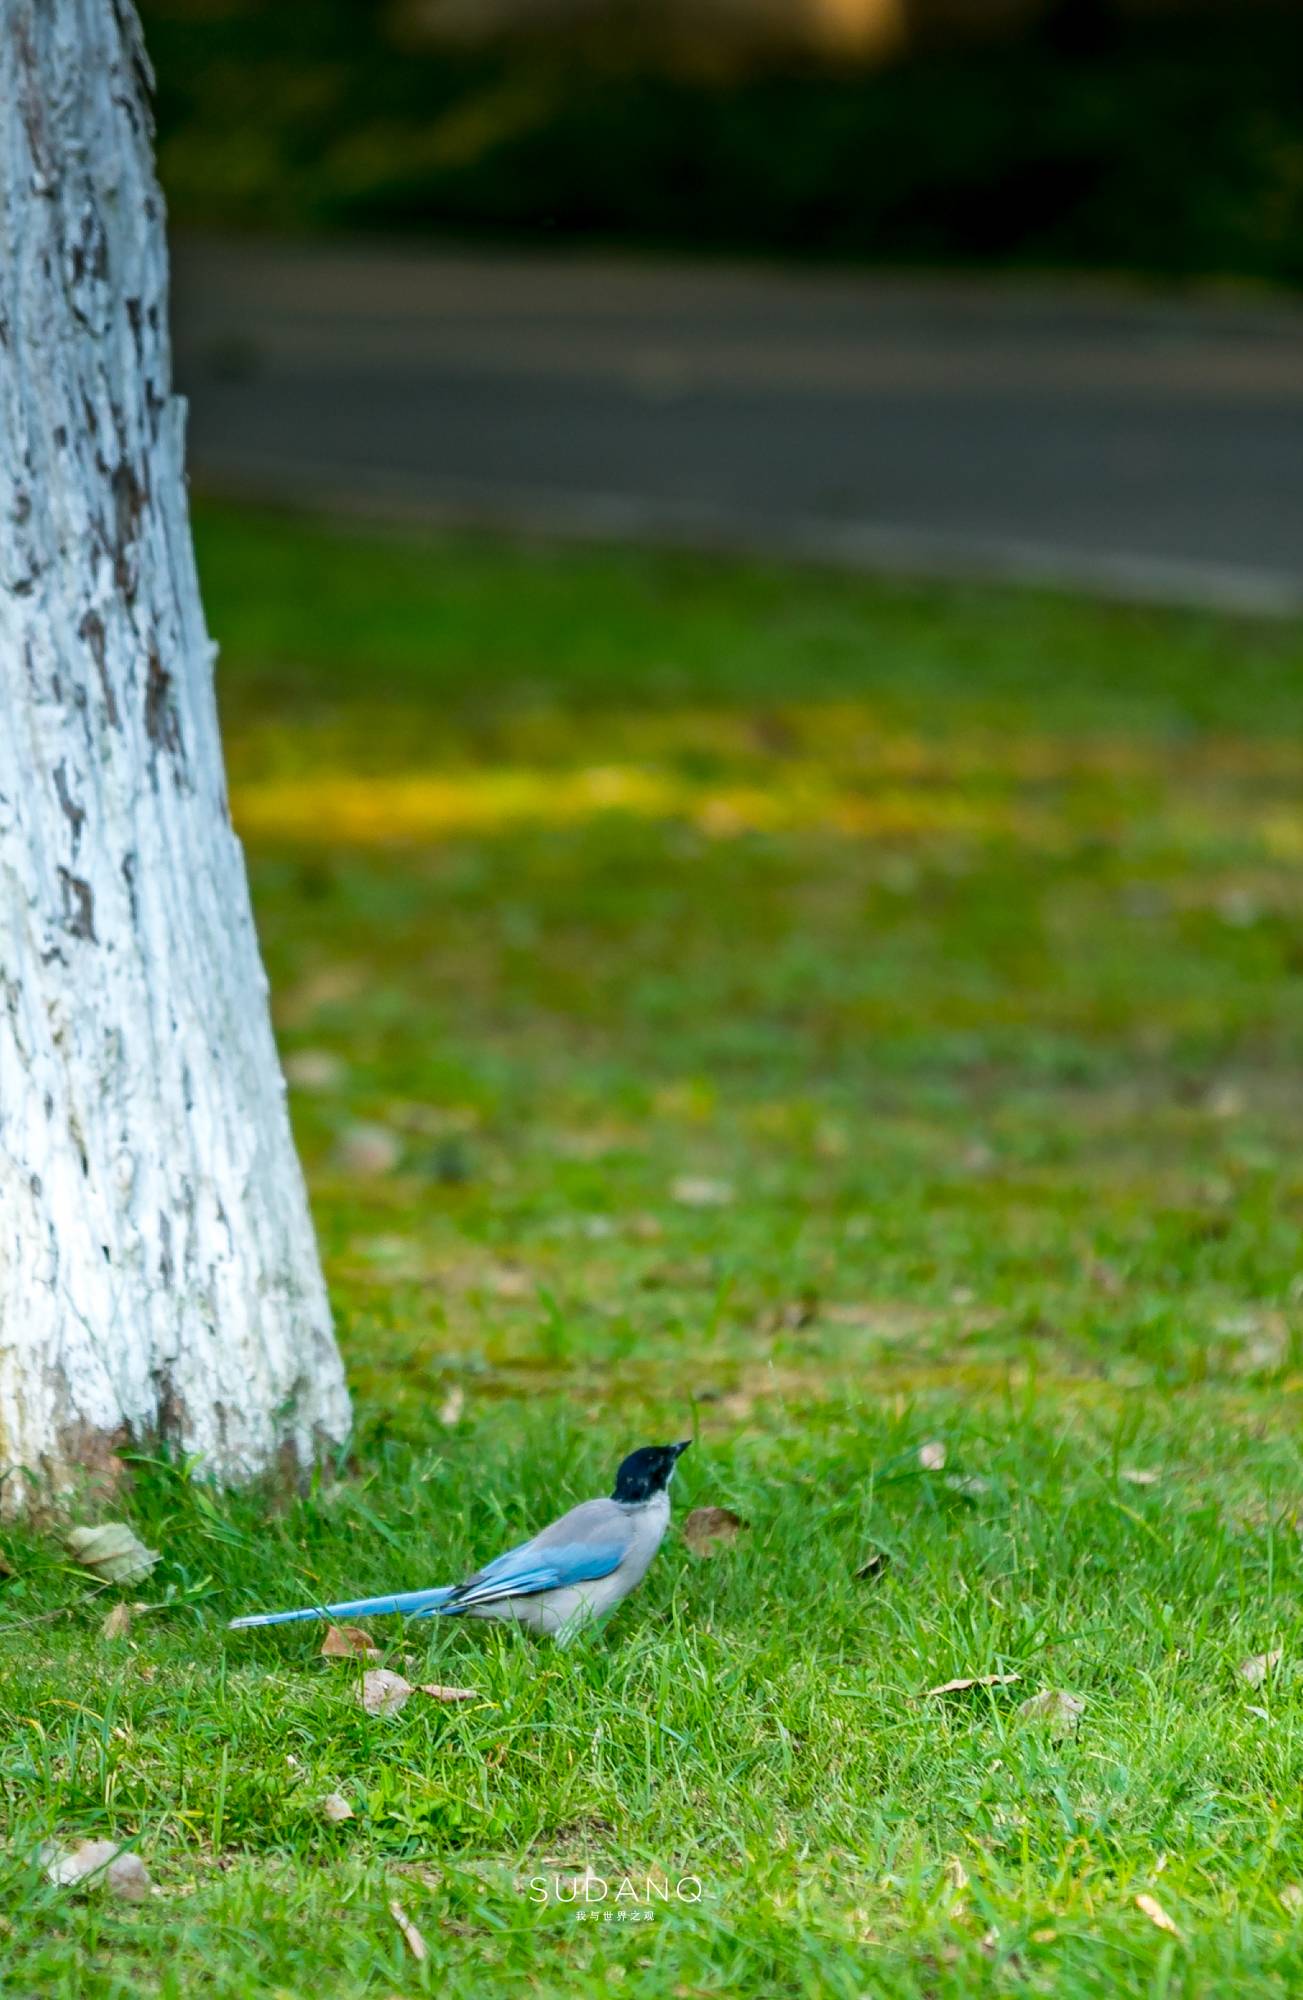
(533, 1567)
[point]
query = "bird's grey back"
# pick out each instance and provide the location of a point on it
(592, 1524)
(591, 1521)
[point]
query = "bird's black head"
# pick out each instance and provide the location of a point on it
(647, 1472)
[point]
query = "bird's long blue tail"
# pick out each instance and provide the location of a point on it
(410, 1602)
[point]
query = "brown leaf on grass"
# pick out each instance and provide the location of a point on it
(118, 1623)
(411, 1936)
(1105, 1277)
(510, 1281)
(832, 1142)
(127, 1878)
(1256, 1670)
(100, 1864)
(348, 1642)
(705, 1527)
(336, 1808)
(111, 1551)
(873, 1566)
(313, 1069)
(368, 1151)
(328, 986)
(962, 1685)
(452, 1406)
(791, 1315)
(1150, 1907)
(1062, 1712)
(932, 1456)
(1139, 1475)
(383, 1693)
(968, 1485)
(67, 1865)
(697, 1191)
(845, 1312)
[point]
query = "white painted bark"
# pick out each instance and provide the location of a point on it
(158, 1273)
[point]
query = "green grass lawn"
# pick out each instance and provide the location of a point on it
(830, 1019)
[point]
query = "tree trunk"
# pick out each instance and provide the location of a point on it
(158, 1273)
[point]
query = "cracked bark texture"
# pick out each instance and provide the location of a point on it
(158, 1272)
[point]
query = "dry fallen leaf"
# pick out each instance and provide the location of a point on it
(932, 1457)
(509, 1281)
(336, 1808)
(872, 1566)
(111, 1551)
(791, 1315)
(128, 1878)
(348, 1642)
(1153, 1909)
(1256, 1670)
(118, 1623)
(704, 1527)
(314, 1069)
(99, 1864)
(368, 1151)
(383, 1693)
(450, 1410)
(1061, 1711)
(68, 1865)
(975, 1681)
(696, 1191)
(1139, 1475)
(328, 986)
(411, 1936)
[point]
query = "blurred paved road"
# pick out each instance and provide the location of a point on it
(1147, 449)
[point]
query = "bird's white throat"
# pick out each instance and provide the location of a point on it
(655, 1512)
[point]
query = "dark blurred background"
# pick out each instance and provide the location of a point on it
(1158, 137)
(960, 287)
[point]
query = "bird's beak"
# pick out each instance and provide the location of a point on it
(679, 1449)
